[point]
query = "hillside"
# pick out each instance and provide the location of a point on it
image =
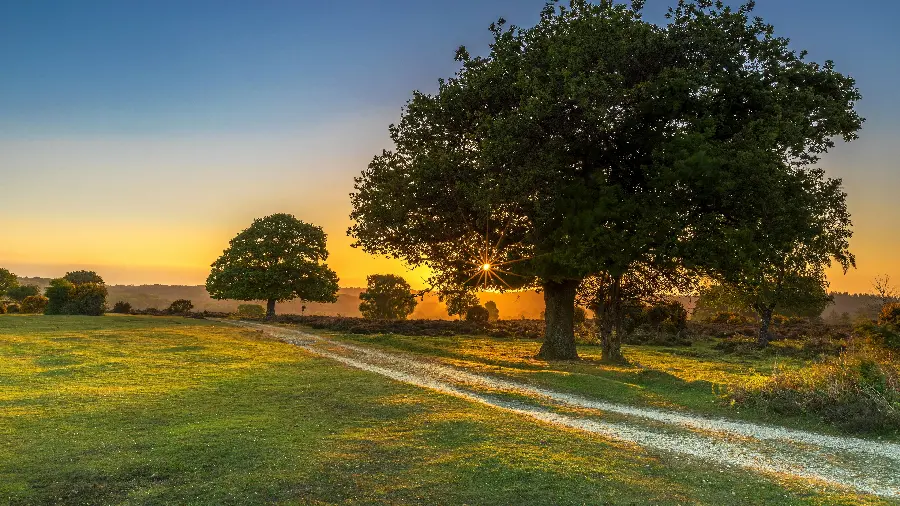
(511, 305)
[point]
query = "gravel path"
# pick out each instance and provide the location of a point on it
(861, 465)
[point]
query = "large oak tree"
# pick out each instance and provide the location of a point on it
(279, 258)
(591, 141)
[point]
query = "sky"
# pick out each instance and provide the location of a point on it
(137, 138)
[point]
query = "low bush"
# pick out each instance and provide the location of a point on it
(858, 390)
(68, 298)
(525, 329)
(121, 307)
(2, 308)
(180, 306)
(34, 304)
(12, 308)
(729, 318)
(478, 315)
(251, 311)
(890, 314)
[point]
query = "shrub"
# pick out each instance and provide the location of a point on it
(890, 314)
(477, 314)
(251, 311)
(87, 299)
(2, 308)
(859, 390)
(180, 306)
(34, 304)
(667, 317)
(730, 318)
(12, 308)
(59, 293)
(19, 293)
(580, 316)
(121, 307)
(493, 312)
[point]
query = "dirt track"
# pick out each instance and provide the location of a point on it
(861, 465)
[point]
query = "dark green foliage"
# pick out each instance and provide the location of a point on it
(493, 311)
(2, 308)
(65, 297)
(477, 314)
(459, 301)
(121, 307)
(668, 317)
(20, 292)
(34, 304)
(387, 297)
(8, 281)
(279, 258)
(586, 143)
(180, 306)
(251, 311)
(12, 308)
(82, 277)
(59, 293)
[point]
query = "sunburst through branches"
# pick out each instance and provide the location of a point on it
(487, 264)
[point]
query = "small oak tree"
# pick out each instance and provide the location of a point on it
(387, 297)
(279, 258)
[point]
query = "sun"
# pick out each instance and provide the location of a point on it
(486, 267)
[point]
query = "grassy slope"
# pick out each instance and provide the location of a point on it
(152, 410)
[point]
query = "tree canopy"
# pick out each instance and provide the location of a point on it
(82, 277)
(277, 259)
(18, 293)
(387, 297)
(8, 281)
(587, 142)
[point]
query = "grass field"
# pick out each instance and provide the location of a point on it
(141, 410)
(689, 378)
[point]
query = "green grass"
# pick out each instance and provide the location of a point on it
(682, 378)
(141, 410)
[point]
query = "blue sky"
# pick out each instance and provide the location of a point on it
(190, 118)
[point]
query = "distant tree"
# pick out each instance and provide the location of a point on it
(121, 307)
(58, 294)
(180, 306)
(82, 277)
(34, 304)
(8, 281)
(580, 316)
(387, 297)
(578, 146)
(493, 312)
(251, 311)
(477, 314)
(20, 292)
(279, 258)
(458, 301)
(85, 298)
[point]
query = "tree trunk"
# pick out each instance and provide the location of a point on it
(765, 320)
(270, 309)
(559, 327)
(611, 342)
